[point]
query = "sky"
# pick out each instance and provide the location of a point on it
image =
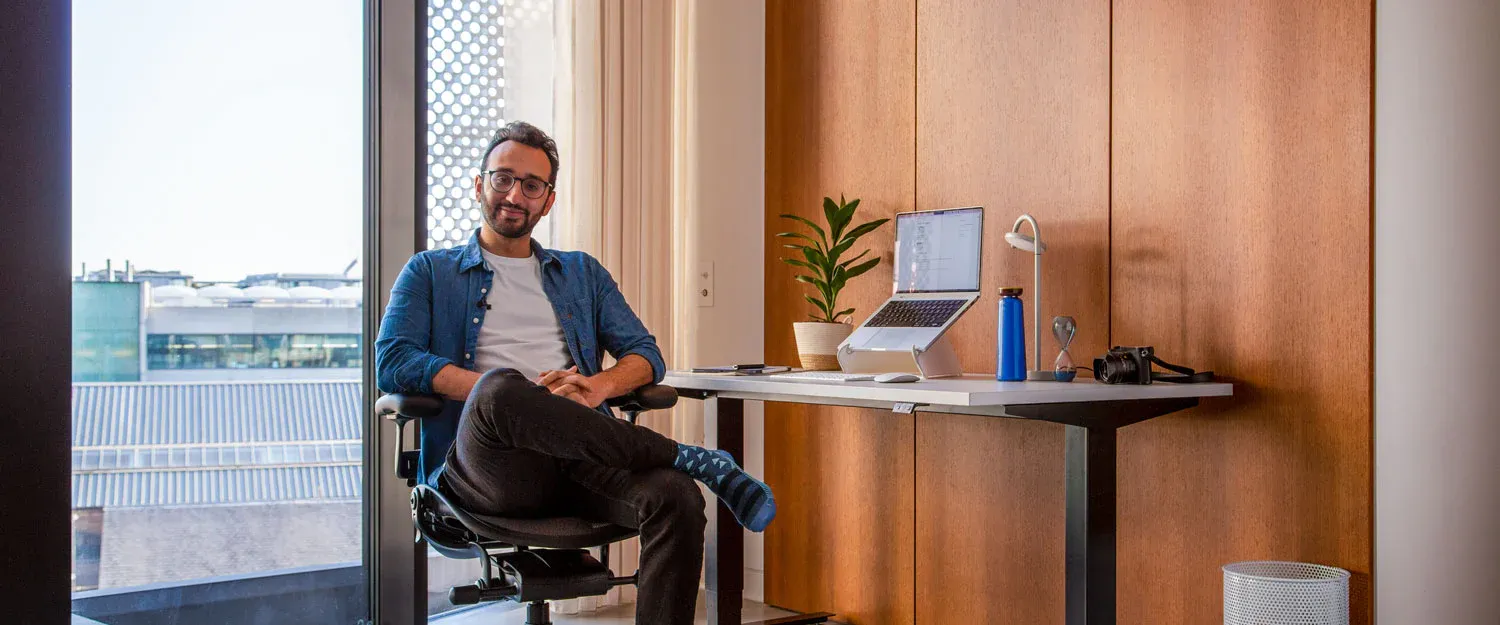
(218, 138)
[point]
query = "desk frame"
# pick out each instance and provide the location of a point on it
(1089, 460)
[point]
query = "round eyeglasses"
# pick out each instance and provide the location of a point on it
(502, 181)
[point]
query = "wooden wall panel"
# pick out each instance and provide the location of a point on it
(1012, 115)
(1202, 177)
(839, 119)
(1241, 229)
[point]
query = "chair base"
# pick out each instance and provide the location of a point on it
(538, 613)
(540, 575)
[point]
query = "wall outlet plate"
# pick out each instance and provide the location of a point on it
(703, 279)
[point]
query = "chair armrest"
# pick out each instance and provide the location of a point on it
(648, 397)
(402, 406)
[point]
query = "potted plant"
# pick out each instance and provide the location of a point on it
(826, 270)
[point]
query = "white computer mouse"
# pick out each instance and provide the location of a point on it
(897, 377)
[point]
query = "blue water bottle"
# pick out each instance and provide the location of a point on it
(1011, 351)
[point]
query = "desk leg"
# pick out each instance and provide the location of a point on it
(1091, 525)
(724, 428)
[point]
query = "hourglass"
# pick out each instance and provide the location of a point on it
(1063, 329)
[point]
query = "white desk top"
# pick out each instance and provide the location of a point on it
(969, 390)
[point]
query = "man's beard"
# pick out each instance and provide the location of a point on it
(509, 228)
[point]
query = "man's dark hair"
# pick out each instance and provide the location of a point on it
(527, 135)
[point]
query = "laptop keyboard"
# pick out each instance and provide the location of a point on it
(915, 313)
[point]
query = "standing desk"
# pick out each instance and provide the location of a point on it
(1090, 412)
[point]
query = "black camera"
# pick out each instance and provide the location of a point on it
(1132, 365)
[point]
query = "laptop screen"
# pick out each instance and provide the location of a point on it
(938, 250)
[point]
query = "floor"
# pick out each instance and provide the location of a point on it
(512, 614)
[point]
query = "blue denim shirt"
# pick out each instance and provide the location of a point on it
(434, 316)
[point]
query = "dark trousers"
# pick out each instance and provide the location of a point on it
(523, 452)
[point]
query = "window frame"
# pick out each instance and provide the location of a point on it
(395, 219)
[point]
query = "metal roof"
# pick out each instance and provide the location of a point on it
(200, 456)
(209, 443)
(216, 486)
(152, 413)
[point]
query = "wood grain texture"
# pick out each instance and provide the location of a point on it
(1241, 228)
(1214, 202)
(840, 77)
(1012, 115)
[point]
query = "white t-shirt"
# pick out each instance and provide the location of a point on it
(520, 329)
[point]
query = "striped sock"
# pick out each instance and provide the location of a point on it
(748, 498)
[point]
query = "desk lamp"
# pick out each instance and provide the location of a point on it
(1034, 245)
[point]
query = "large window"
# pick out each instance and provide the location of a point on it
(218, 226)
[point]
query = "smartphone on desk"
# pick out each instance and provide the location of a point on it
(745, 369)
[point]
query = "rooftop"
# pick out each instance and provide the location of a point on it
(150, 444)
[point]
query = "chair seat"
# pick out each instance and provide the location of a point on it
(566, 532)
(553, 533)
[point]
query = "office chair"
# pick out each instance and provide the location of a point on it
(539, 559)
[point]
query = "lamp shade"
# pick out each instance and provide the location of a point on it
(1024, 242)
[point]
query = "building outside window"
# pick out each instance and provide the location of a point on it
(252, 351)
(218, 201)
(88, 523)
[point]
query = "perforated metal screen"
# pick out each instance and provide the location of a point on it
(465, 104)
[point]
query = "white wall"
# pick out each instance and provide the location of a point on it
(1437, 312)
(726, 131)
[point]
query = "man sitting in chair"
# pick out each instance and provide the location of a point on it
(517, 332)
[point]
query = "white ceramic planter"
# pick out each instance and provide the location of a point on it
(818, 343)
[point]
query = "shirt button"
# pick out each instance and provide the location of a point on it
(476, 320)
(466, 356)
(484, 290)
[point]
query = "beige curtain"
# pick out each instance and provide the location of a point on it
(615, 134)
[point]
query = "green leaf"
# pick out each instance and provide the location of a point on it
(820, 305)
(862, 230)
(822, 286)
(861, 268)
(831, 216)
(812, 225)
(839, 249)
(839, 278)
(797, 263)
(846, 311)
(846, 215)
(816, 258)
(841, 217)
(846, 263)
(800, 235)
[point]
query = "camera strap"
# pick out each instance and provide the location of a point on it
(1184, 375)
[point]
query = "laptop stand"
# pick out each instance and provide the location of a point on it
(938, 360)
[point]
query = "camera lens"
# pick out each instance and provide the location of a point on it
(1114, 368)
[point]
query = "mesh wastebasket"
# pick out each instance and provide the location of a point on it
(1282, 593)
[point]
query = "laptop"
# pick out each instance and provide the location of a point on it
(938, 256)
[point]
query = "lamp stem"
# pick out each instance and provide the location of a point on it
(1036, 308)
(1036, 292)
